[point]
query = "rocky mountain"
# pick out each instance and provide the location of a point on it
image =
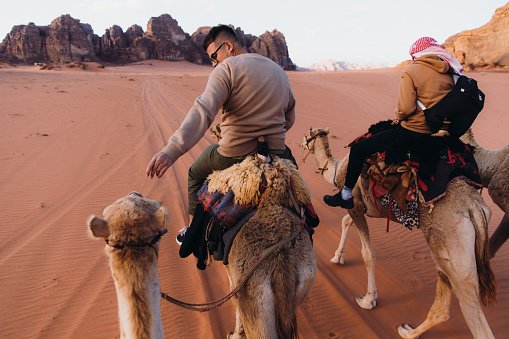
(66, 40)
(486, 46)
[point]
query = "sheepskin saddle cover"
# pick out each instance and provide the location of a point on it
(253, 182)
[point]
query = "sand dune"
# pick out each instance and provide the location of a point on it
(74, 141)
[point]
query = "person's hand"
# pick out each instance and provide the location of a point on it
(159, 164)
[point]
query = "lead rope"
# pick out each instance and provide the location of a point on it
(211, 305)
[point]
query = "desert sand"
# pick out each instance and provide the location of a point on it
(74, 141)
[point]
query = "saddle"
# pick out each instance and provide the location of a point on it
(230, 197)
(405, 179)
(397, 179)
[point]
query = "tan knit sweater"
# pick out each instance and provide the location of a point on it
(255, 99)
(427, 80)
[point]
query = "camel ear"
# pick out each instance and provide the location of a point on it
(98, 227)
(161, 215)
(327, 130)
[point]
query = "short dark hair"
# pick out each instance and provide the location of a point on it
(216, 31)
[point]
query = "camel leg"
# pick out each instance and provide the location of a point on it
(438, 313)
(258, 301)
(500, 236)
(306, 278)
(454, 253)
(239, 328)
(238, 333)
(368, 301)
(466, 288)
(339, 255)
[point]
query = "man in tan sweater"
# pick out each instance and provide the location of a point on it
(254, 97)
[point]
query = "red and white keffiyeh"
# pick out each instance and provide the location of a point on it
(427, 45)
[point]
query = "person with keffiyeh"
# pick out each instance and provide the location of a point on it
(427, 80)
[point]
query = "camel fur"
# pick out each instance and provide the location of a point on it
(266, 304)
(455, 231)
(494, 169)
(133, 220)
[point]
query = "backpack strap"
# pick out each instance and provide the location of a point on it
(421, 105)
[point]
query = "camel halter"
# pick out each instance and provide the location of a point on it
(265, 254)
(317, 135)
(311, 138)
(137, 244)
(324, 168)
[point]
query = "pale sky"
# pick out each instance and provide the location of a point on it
(357, 31)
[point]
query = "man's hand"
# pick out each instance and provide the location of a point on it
(159, 164)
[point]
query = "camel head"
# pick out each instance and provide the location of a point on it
(130, 221)
(308, 143)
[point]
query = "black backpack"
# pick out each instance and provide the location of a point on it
(460, 107)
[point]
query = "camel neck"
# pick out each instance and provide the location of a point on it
(325, 161)
(138, 295)
(489, 162)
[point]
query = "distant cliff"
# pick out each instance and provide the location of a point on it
(66, 40)
(486, 46)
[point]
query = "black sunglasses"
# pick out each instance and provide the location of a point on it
(213, 56)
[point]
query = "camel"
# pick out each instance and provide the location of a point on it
(265, 306)
(494, 168)
(455, 231)
(132, 227)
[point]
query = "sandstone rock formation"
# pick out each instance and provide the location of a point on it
(66, 40)
(486, 46)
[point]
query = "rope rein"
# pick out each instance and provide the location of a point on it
(204, 307)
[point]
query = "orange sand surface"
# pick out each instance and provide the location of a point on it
(74, 141)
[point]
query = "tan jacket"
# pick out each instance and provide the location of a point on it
(427, 80)
(255, 99)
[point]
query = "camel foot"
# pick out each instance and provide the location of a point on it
(365, 303)
(404, 330)
(337, 260)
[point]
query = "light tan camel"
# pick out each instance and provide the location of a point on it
(266, 305)
(494, 168)
(456, 233)
(132, 227)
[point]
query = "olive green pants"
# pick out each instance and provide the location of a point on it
(209, 161)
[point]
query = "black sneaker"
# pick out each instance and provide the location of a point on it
(181, 235)
(337, 200)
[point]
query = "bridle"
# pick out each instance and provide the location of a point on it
(320, 134)
(137, 244)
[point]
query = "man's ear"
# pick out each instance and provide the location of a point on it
(98, 227)
(231, 46)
